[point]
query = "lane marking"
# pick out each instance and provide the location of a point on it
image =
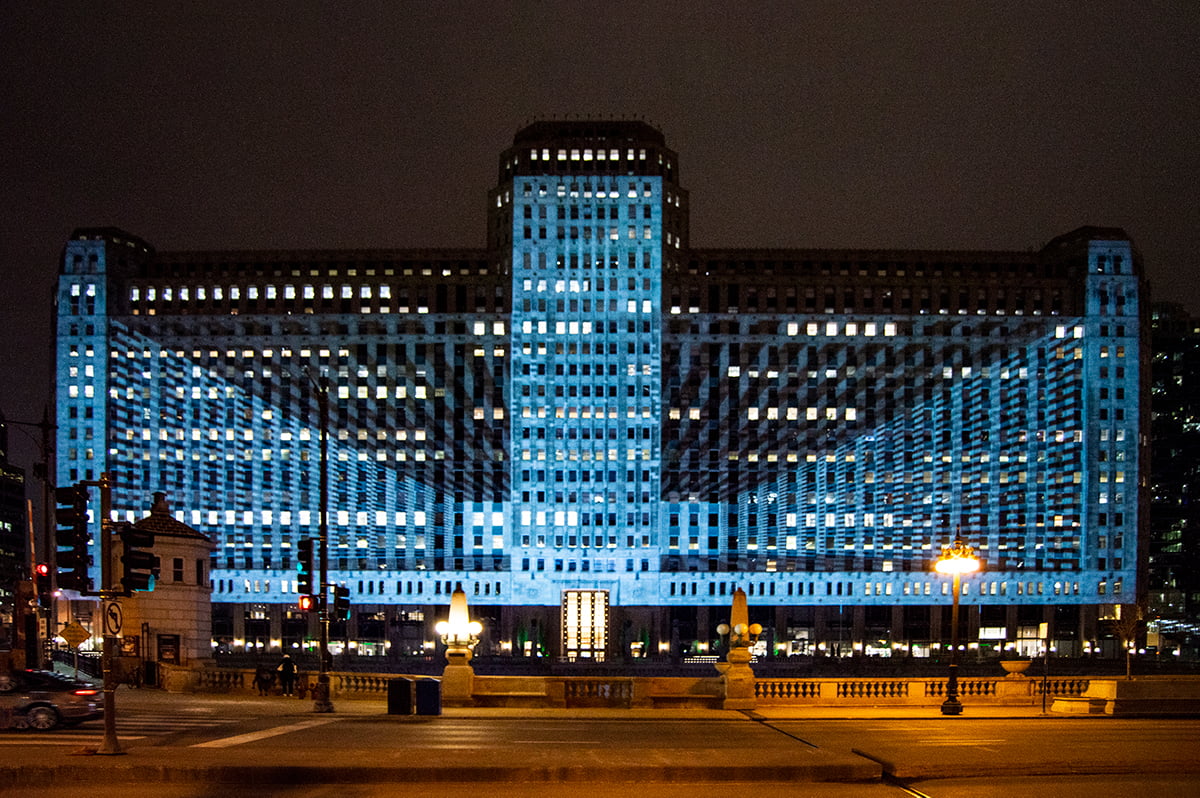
(239, 739)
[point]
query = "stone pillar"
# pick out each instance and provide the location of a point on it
(736, 674)
(936, 634)
(897, 628)
(821, 628)
(974, 614)
(858, 628)
(458, 678)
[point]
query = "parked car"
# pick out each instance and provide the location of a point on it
(42, 700)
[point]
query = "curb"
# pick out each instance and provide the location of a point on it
(860, 770)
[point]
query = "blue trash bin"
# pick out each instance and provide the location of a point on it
(428, 696)
(400, 696)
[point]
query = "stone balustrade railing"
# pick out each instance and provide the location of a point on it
(624, 692)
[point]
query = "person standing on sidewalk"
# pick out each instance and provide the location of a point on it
(287, 675)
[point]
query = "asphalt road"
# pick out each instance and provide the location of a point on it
(180, 746)
(963, 747)
(1057, 786)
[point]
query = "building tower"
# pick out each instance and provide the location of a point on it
(14, 534)
(591, 215)
(1174, 546)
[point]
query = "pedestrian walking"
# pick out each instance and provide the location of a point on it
(287, 675)
(264, 679)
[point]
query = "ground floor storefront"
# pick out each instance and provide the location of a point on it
(585, 627)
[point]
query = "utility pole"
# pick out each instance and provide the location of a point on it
(321, 692)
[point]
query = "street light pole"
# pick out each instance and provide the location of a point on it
(956, 559)
(321, 692)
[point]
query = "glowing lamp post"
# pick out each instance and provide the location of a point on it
(460, 634)
(956, 559)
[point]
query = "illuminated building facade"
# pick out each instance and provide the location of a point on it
(590, 404)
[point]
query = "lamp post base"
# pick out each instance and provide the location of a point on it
(951, 706)
(320, 694)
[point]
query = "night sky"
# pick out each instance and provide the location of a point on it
(218, 125)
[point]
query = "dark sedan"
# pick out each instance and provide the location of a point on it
(43, 700)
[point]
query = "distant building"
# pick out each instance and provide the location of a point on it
(14, 530)
(171, 625)
(1174, 547)
(601, 432)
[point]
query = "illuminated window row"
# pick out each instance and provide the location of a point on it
(576, 187)
(586, 154)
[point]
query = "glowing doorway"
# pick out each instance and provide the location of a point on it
(585, 624)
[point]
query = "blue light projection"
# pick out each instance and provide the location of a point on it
(590, 403)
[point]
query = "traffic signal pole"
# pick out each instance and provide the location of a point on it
(321, 693)
(110, 622)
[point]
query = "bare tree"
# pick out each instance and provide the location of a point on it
(1127, 625)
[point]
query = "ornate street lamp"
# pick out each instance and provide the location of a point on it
(460, 635)
(956, 559)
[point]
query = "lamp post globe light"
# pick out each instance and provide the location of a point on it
(956, 559)
(460, 634)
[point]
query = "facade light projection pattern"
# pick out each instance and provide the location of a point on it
(589, 403)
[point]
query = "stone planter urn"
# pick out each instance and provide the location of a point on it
(1015, 668)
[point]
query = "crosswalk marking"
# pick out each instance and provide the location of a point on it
(225, 742)
(132, 726)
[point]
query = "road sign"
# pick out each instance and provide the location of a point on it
(113, 617)
(74, 634)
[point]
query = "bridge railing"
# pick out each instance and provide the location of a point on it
(624, 692)
(880, 692)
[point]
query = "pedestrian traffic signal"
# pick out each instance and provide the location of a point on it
(304, 567)
(341, 603)
(71, 538)
(307, 603)
(139, 566)
(41, 583)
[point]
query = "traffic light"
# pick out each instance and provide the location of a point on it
(307, 603)
(139, 567)
(41, 583)
(341, 603)
(304, 568)
(71, 535)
